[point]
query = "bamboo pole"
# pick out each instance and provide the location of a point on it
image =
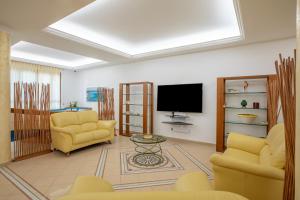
(286, 71)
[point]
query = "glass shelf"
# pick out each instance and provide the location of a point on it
(134, 104)
(241, 108)
(133, 125)
(246, 93)
(242, 123)
(136, 94)
(131, 114)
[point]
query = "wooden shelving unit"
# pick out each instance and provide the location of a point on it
(228, 105)
(135, 108)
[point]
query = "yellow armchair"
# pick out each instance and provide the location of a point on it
(252, 167)
(192, 186)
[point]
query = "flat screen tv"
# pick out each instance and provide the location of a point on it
(180, 98)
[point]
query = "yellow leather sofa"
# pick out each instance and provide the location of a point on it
(252, 167)
(74, 130)
(193, 186)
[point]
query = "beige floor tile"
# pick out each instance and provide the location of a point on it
(53, 174)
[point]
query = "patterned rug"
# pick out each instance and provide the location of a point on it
(128, 166)
(118, 167)
(115, 165)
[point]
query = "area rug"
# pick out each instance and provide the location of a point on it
(113, 164)
(117, 166)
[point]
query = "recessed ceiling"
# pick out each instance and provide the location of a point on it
(138, 23)
(25, 51)
(143, 26)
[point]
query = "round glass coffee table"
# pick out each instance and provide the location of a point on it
(149, 152)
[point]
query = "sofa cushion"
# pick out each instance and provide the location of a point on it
(100, 133)
(265, 156)
(73, 128)
(64, 119)
(86, 184)
(193, 182)
(89, 136)
(241, 155)
(278, 157)
(90, 126)
(87, 116)
(275, 137)
(82, 137)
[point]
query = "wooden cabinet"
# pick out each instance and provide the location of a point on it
(135, 108)
(232, 116)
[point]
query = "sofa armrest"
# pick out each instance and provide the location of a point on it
(108, 124)
(90, 184)
(195, 181)
(246, 143)
(246, 167)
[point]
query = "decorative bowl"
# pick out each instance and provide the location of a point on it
(247, 118)
(148, 136)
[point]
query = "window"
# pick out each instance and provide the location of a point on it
(32, 73)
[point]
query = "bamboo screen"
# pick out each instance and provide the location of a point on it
(273, 99)
(106, 104)
(31, 119)
(286, 71)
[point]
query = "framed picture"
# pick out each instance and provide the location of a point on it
(92, 94)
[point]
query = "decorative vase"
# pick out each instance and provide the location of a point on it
(244, 103)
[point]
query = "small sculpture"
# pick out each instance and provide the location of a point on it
(245, 85)
(244, 103)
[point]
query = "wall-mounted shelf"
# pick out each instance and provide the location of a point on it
(173, 116)
(177, 123)
(135, 108)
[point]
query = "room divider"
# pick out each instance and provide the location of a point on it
(31, 120)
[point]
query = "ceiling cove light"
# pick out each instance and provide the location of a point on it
(25, 51)
(208, 22)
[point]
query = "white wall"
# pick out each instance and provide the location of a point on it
(203, 67)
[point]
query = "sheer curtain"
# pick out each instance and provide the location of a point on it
(30, 73)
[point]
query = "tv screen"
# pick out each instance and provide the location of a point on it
(180, 98)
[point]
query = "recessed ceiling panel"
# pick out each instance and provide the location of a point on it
(45, 55)
(142, 26)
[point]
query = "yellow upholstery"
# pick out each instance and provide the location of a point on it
(193, 186)
(89, 184)
(252, 167)
(64, 119)
(74, 130)
(192, 182)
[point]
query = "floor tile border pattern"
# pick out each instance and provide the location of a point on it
(34, 194)
(124, 164)
(101, 163)
(21, 184)
(199, 164)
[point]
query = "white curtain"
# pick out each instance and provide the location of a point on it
(31, 73)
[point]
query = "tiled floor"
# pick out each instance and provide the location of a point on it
(8, 191)
(52, 174)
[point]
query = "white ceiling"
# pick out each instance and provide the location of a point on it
(25, 51)
(129, 27)
(143, 26)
